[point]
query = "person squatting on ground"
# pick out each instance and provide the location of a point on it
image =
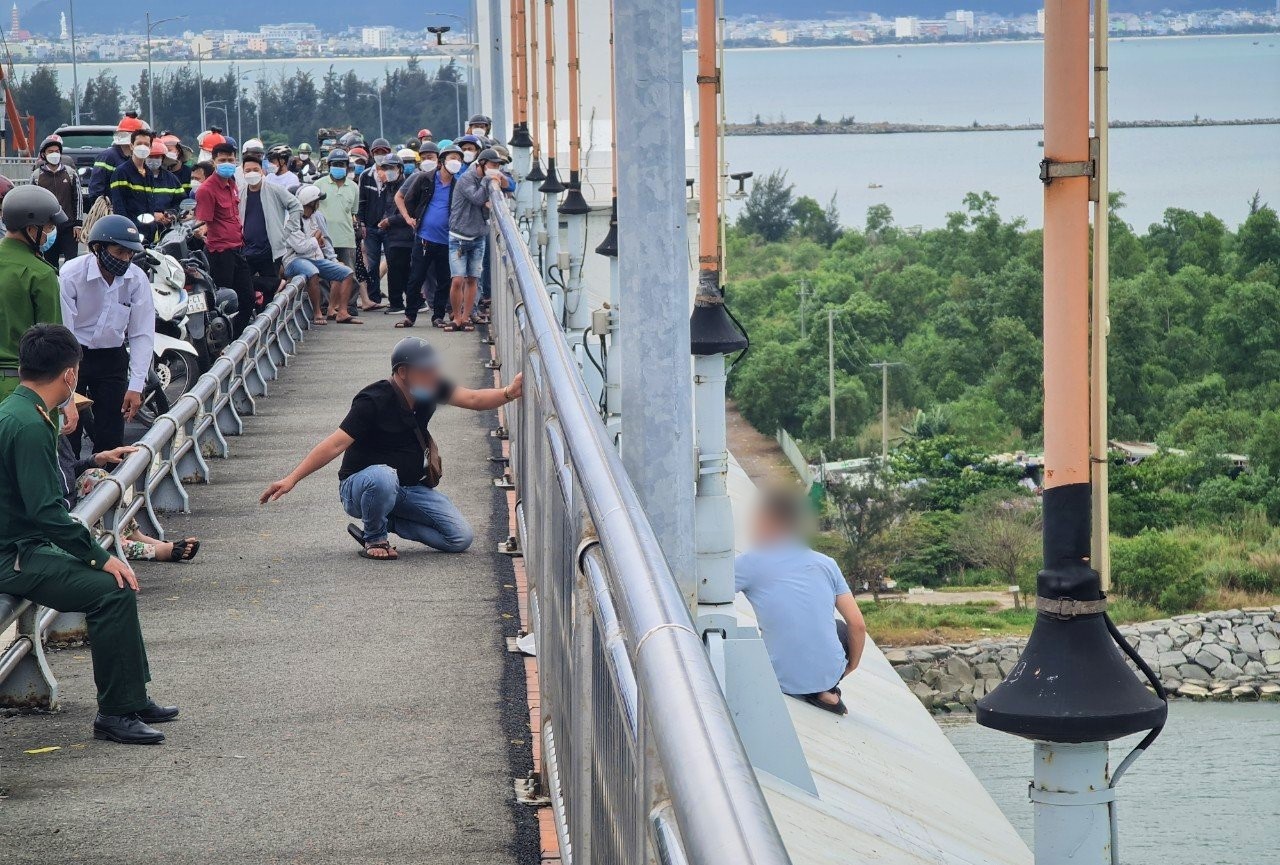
(794, 591)
(390, 464)
(49, 558)
(310, 255)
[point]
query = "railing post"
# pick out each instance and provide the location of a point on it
(30, 685)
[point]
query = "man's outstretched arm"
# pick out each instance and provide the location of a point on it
(848, 609)
(488, 398)
(321, 455)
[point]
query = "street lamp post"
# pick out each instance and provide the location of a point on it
(151, 81)
(218, 105)
(376, 93)
(470, 44)
(75, 75)
(200, 85)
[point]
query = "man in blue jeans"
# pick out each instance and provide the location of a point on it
(468, 230)
(390, 464)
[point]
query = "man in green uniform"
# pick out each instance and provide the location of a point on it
(49, 558)
(28, 283)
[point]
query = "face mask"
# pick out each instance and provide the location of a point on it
(492, 172)
(141, 151)
(393, 174)
(205, 156)
(429, 164)
(53, 157)
(409, 168)
(253, 178)
(66, 403)
(111, 264)
(359, 169)
(173, 155)
(479, 131)
(337, 172)
(468, 157)
(423, 397)
(120, 138)
(379, 158)
(226, 170)
(49, 239)
(453, 165)
(195, 184)
(152, 162)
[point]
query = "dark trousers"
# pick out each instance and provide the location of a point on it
(230, 269)
(104, 378)
(48, 576)
(373, 238)
(64, 248)
(428, 279)
(398, 258)
(842, 634)
(265, 272)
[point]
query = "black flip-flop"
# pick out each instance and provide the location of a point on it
(391, 555)
(836, 708)
(356, 534)
(185, 550)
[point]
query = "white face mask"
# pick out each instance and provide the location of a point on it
(392, 174)
(492, 172)
(253, 178)
(152, 162)
(195, 184)
(478, 131)
(468, 157)
(205, 155)
(172, 154)
(53, 157)
(379, 158)
(120, 138)
(141, 151)
(427, 165)
(454, 165)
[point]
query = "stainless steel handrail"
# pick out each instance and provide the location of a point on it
(635, 727)
(171, 454)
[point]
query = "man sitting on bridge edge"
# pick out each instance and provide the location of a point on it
(390, 464)
(52, 560)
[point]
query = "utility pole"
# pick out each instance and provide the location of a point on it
(831, 368)
(804, 308)
(75, 75)
(883, 366)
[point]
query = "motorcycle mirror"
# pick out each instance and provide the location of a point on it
(187, 205)
(146, 218)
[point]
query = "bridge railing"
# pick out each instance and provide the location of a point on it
(641, 757)
(174, 452)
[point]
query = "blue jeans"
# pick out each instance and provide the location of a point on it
(375, 496)
(329, 271)
(373, 239)
(466, 257)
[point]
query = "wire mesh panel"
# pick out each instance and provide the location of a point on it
(640, 752)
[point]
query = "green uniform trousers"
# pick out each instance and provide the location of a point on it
(50, 577)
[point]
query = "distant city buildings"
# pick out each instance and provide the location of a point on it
(304, 39)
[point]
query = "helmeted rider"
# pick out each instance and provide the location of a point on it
(279, 157)
(58, 175)
(112, 156)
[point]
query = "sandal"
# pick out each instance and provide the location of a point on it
(453, 328)
(371, 307)
(405, 323)
(319, 322)
(390, 552)
(185, 550)
(351, 319)
(356, 533)
(836, 708)
(467, 327)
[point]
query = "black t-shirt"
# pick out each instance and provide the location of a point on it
(382, 425)
(256, 241)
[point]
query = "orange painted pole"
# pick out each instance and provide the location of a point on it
(552, 184)
(519, 36)
(1066, 279)
(535, 94)
(708, 148)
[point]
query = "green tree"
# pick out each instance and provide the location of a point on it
(37, 94)
(770, 208)
(867, 507)
(1002, 531)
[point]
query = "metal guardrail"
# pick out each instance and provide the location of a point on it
(642, 759)
(173, 452)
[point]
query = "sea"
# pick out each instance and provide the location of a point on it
(1206, 793)
(924, 176)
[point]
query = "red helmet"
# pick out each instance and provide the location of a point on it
(358, 153)
(211, 139)
(158, 148)
(424, 135)
(131, 123)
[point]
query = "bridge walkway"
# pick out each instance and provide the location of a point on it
(334, 709)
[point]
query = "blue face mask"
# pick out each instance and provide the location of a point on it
(359, 169)
(50, 240)
(423, 397)
(337, 172)
(226, 170)
(409, 168)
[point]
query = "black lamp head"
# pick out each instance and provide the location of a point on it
(1072, 683)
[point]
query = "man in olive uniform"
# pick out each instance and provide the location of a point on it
(49, 558)
(29, 291)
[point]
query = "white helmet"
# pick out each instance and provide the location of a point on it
(254, 144)
(307, 193)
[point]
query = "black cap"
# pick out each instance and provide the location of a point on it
(415, 352)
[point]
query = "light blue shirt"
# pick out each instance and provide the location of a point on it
(793, 591)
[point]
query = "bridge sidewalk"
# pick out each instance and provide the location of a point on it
(334, 710)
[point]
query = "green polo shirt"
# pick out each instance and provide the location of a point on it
(339, 206)
(32, 510)
(28, 295)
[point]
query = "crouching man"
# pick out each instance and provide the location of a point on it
(795, 592)
(390, 464)
(50, 559)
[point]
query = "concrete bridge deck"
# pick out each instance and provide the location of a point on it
(334, 709)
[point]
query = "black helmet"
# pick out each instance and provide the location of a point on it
(117, 230)
(491, 155)
(25, 206)
(416, 352)
(338, 156)
(380, 144)
(480, 120)
(428, 147)
(392, 159)
(412, 144)
(280, 151)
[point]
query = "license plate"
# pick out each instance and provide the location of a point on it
(197, 303)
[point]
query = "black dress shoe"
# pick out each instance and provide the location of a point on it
(157, 714)
(125, 729)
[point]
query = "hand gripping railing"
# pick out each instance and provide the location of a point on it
(172, 453)
(641, 757)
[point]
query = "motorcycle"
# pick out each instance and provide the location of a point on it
(209, 309)
(175, 359)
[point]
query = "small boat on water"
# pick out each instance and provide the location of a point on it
(875, 186)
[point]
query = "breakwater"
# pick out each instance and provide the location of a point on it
(1223, 655)
(805, 127)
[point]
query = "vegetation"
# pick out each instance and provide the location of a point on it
(292, 107)
(1195, 367)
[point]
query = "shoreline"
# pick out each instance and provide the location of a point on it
(961, 43)
(805, 127)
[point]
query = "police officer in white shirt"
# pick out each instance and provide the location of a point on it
(107, 304)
